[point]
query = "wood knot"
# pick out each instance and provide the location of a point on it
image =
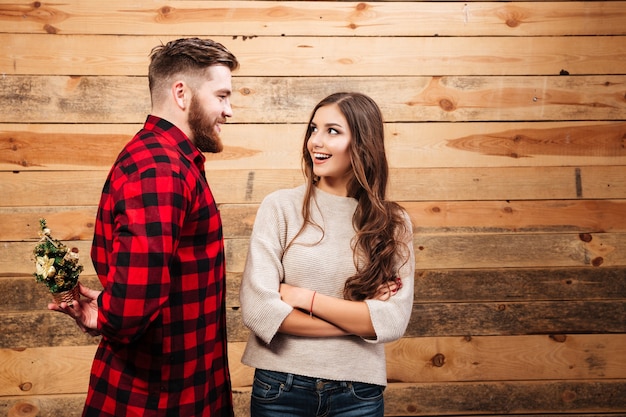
(560, 338)
(245, 91)
(361, 6)
(447, 105)
(597, 261)
(508, 210)
(24, 409)
(26, 386)
(568, 396)
(438, 360)
(50, 29)
(585, 237)
(501, 307)
(435, 209)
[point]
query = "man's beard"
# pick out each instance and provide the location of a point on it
(203, 130)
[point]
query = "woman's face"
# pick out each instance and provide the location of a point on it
(329, 147)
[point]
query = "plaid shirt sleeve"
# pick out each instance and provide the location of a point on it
(159, 253)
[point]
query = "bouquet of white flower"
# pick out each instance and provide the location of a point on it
(57, 266)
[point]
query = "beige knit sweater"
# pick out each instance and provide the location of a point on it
(323, 267)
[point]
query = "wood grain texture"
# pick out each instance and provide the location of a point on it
(470, 98)
(419, 360)
(319, 56)
(489, 398)
(46, 328)
(432, 251)
(415, 400)
(44, 147)
(420, 399)
(441, 286)
(267, 18)
(514, 358)
(442, 217)
(33, 188)
(436, 286)
(506, 138)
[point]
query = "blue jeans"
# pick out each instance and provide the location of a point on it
(277, 394)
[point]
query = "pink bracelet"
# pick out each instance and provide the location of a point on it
(311, 309)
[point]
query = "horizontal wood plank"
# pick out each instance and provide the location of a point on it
(22, 293)
(433, 251)
(502, 358)
(420, 399)
(519, 284)
(71, 405)
(55, 99)
(46, 370)
(463, 399)
(520, 251)
(33, 188)
(263, 18)
(66, 223)
(48, 328)
(279, 146)
(445, 217)
(495, 398)
(441, 217)
(517, 318)
(324, 56)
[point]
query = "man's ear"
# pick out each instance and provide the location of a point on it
(179, 93)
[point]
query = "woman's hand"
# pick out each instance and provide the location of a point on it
(388, 289)
(296, 297)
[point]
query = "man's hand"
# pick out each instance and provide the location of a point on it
(83, 311)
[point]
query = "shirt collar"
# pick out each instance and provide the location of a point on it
(176, 137)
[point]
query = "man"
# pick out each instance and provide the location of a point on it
(159, 252)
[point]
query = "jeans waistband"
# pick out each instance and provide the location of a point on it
(312, 383)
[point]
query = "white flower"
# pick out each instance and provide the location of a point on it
(72, 256)
(45, 266)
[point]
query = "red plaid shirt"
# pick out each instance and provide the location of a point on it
(159, 253)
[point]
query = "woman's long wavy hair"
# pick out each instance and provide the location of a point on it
(378, 222)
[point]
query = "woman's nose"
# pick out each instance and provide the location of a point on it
(315, 140)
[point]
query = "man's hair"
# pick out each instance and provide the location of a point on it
(190, 57)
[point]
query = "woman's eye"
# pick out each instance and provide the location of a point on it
(333, 131)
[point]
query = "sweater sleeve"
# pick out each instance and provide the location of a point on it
(390, 318)
(262, 309)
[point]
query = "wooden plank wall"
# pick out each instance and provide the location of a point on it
(506, 126)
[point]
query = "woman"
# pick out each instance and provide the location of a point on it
(329, 273)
